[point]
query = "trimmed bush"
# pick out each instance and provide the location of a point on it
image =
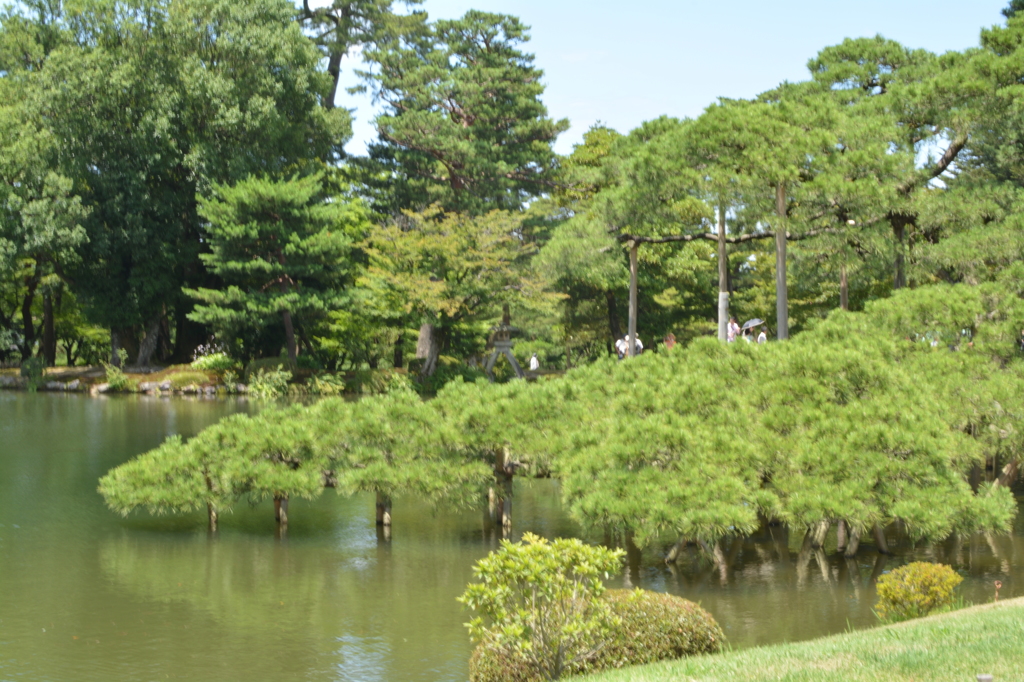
(183, 379)
(915, 590)
(214, 362)
(268, 365)
(654, 627)
(378, 381)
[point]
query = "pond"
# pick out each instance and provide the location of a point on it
(88, 595)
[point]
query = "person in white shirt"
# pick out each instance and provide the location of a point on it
(762, 337)
(621, 346)
(639, 347)
(534, 363)
(732, 329)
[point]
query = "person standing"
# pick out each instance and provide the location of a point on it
(732, 329)
(762, 337)
(621, 346)
(639, 347)
(534, 363)
(670, 341)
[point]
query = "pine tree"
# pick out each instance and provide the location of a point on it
(282, 250)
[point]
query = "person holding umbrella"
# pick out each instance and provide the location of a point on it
(748, 328)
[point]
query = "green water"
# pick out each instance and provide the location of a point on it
(87, 595)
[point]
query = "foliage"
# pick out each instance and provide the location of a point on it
(183, 379)
(117, 380)
(464, 126)
(848, 421)
(281, 248)
(325, 384)
(269, 383)
(152, 108)
(447, 373)
(268, 364)
(653, 627)
(214, 362)
(378, 381)
(32, 371)
(541, 600)
(915, 590)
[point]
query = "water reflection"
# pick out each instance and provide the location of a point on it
(87, 595)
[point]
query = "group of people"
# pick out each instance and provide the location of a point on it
(733, 330)
(622, 347)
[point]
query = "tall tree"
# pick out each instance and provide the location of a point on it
(449, 271)
(919, 105)
(345, 25)
(40, 217)
(282, 249)
(464, 125)
(155, 103)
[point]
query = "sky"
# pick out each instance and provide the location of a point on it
(622, 63)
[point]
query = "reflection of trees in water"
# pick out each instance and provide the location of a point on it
(773, 586)
(322, 612)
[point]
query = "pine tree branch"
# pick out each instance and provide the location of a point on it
(712, 237)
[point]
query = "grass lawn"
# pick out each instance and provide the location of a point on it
(951, 646)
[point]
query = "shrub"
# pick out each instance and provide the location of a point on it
(325, 384)
(915, 590)
(378, 381)
(32, 370)
(116, 378)
(273, 364)
(183, 379)
(652, 627)
(450, 372)
(542, 601)
(269, 383)
(215, 362)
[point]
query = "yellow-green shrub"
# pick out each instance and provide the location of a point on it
(183, 379)
(654, 627)
(915, 590)
(268, 365)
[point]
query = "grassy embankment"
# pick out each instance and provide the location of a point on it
(951, 646)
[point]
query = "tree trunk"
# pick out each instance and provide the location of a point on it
(115, 346)
(820, 533)
(148, 345)
(853, 544)
(841, 536)
(844, 288)
(49, 345)
(880, 541)
(28, 327)
(899, 265)
(289, 335)
(614, 324)
(397, 360)
(188, 335)
(781, 293)
(428, 348)
(631, 351)
(334, 70)
(383, 509)
(723, 278)
(1008, 476)
(211, 512)
(501, 502)
(677, 549)
(281, 510)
